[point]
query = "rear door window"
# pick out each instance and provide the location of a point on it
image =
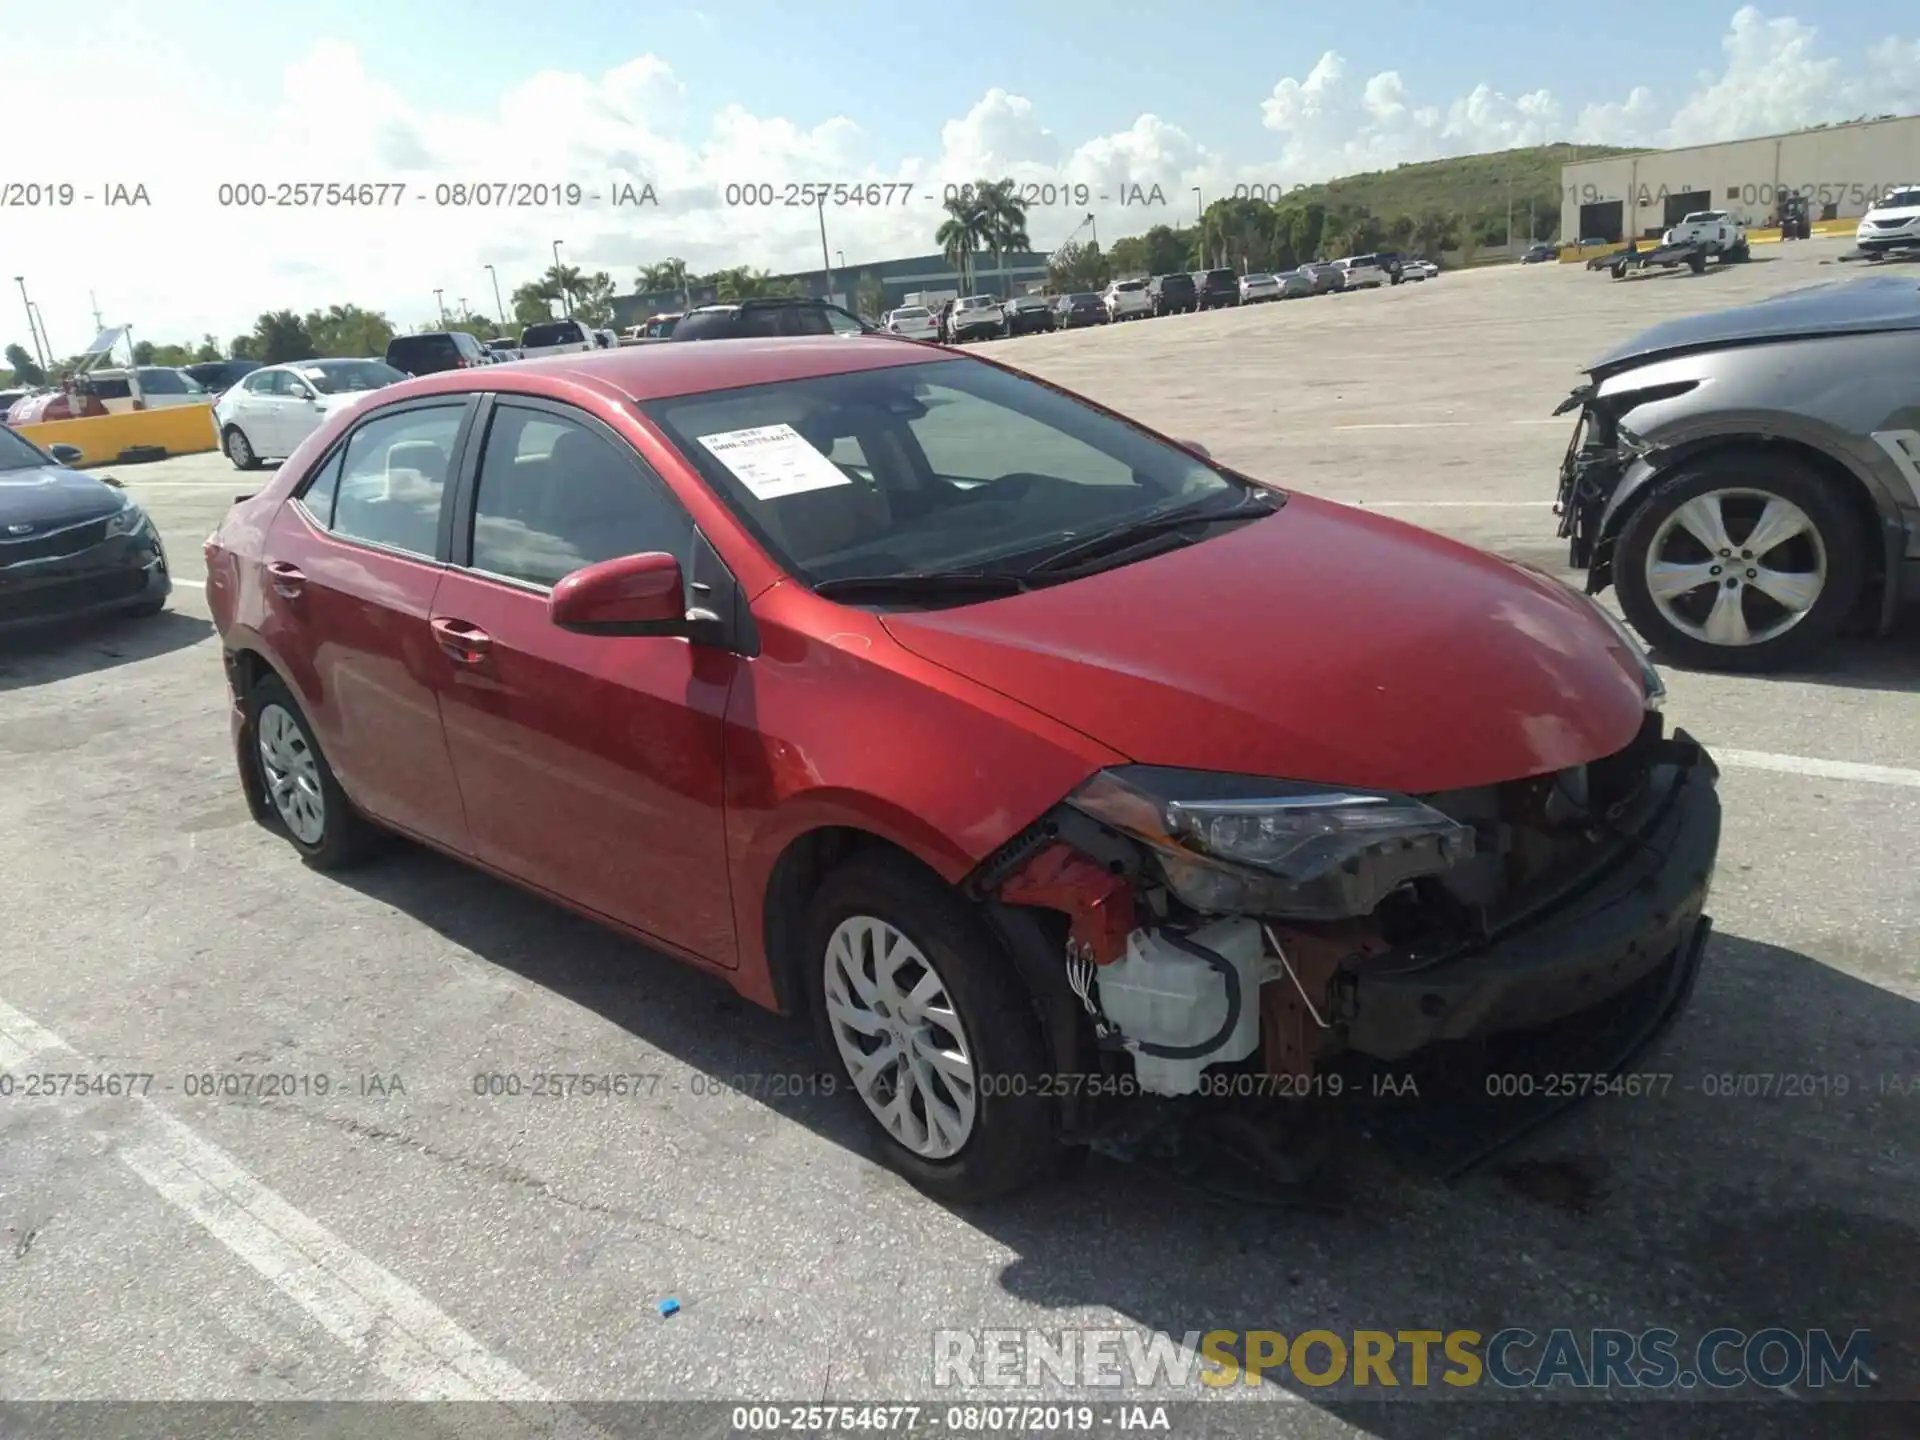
(394, 476)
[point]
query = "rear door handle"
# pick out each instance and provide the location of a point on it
(465, 643)
(288, 580)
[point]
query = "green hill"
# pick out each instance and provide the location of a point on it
(1466, 185)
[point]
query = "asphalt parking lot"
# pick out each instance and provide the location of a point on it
(401, 1236)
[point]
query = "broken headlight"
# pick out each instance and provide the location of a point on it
(129, 519)
(1240, 844)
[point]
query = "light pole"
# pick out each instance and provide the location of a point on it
(32, 334)
(496, 296)
(441, 306)
(566, 295)
(1200, 219)
(825, 263)
(33, 314)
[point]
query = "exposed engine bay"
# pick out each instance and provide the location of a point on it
(1219, 924)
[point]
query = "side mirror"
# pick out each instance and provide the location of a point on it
(629, 595)
(67, 454)
(1197, 448)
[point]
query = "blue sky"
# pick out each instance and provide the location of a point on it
(691, 97)
(1092, 67)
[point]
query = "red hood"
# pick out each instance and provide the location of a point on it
(1322, 643)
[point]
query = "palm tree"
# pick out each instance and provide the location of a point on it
(1003, 220)
(565, 281)
(961, 235)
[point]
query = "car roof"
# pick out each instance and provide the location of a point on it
(658, 372)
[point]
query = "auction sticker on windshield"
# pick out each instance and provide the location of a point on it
(774, 461)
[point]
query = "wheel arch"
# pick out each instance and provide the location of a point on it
(1882, 527)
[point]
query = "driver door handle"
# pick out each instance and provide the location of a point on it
(288, 580)
(464, 642)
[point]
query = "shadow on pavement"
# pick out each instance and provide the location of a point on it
(1684, 1207)
(40, 657)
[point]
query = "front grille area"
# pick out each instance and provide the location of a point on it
(41, 602)
(69, 541)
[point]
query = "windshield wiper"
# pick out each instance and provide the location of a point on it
(922, 584)
(1255, 502)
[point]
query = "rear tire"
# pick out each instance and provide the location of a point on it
(1835, 548)
(304, 800)
(988, 1085)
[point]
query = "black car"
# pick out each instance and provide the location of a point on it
(1216, 288)
(1540, 252)
(1072, 312)
(71, 545)
(1175, 294)
(503, 350)
(216, 377)
(755, 318)
(1390, 261)
(435, 351)
(1027, 315)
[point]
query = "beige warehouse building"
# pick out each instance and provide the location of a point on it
(1839, 169)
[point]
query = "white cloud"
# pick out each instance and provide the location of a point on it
(1772, 78)
(333, 114)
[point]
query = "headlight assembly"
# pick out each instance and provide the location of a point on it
(130, 519)
(1239, 844)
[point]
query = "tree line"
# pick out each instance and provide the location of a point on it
(984, 219)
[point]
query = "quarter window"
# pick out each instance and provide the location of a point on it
(555, 496)
(393, 477)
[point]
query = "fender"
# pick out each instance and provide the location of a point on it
(1730, 431)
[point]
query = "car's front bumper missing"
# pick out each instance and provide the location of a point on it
(1642, 913)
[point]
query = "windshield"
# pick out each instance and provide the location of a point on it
(913, 312)
(339, 377)
(17, 454)
(925, 468)
(564, 333)
(1900, 200)
(163, 381)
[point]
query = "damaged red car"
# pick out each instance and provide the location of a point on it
(1040, 759)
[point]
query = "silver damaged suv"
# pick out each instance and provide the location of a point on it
(1748, 481)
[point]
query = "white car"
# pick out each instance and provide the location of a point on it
(1258, 287)
(161, 387)
(1363, 272)
(975, 316)
(1893, 223)
(268, 414)
(1716, 229)
(1127, 300)
(916, 322)
(1418, 270)
(556, 337)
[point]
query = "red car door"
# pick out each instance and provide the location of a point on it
(590, 766)
(351, 569)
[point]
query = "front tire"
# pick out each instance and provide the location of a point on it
(1743, 562)
(918, 1009)
(239, 449)
(304, 800)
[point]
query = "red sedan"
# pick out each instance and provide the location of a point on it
(1003, 736)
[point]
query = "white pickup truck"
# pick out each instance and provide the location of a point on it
(556, 337)
(1715, 230)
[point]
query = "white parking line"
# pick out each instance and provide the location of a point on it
(379, 1317)
(1443, 424)
(1817, 769)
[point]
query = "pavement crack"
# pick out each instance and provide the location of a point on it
(498, 1171)
(25, 1243)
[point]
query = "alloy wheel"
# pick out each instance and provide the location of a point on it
(900, 1037)
(1736, 567)
(292, 774)
(238, 450)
